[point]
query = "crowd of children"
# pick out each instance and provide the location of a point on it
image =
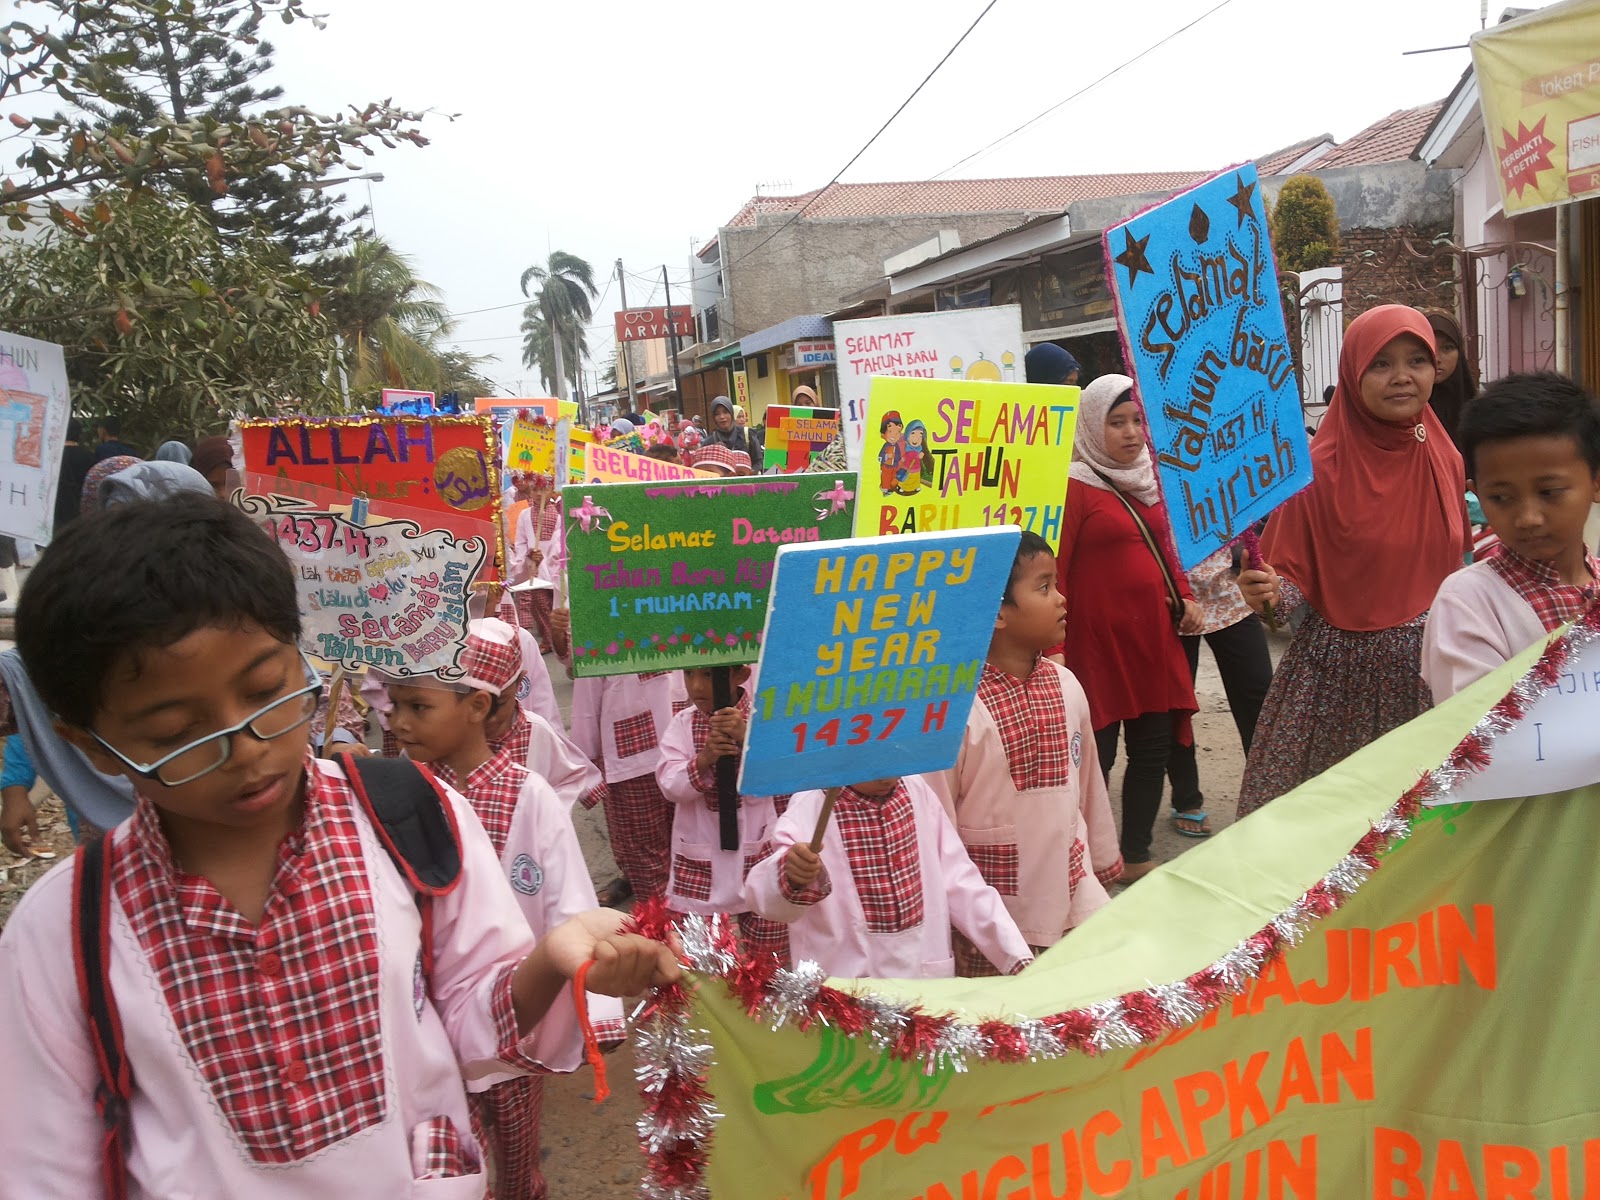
(300, 986)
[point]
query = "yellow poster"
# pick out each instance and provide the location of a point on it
(1539, 85)
(965, 454)
(533, 448)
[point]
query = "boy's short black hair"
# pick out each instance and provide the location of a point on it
(1538, 404)
(139, 577)
(112, 425)
(1028, 549)
(74, 429)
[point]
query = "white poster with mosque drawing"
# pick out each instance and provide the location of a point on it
(983, 344)
(34, 410)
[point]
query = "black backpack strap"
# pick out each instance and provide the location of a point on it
(91, 958)
(417, 827)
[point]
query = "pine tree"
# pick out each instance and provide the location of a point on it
(178, 75)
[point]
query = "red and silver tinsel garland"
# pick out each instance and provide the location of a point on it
(680, 1113)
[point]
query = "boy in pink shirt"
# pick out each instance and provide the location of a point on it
(1532, 449)
(880, 899)
(619, 721)
(286, 1028)
(706, 878)
(1026, 793)
(443, 725)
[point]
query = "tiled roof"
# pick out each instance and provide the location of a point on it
(1392, 138)
(1043, 194)
(1281, 160)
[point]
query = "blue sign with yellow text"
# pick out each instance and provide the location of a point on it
(871, 657)
(1202, 321)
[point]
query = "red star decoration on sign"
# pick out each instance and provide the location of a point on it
(1524, 154)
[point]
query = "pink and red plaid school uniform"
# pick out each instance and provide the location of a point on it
(895, 880)
(618, 721)
(706, 878)
(539, 851)
(1539, 583)
(1028, 799)
(302, 1052)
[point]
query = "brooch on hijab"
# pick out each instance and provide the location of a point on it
(1422, 433)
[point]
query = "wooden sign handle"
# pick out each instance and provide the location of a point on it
(727, 765)
(335, 690)
(823, 817)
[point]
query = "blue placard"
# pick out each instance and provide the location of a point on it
(1202, 322)
(871, 657)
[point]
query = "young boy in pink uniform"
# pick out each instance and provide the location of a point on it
(1532, 446)
(619, 721)
(880, 899)
(444, 726)
(1026, 794)
(262, 948)
(706, 878)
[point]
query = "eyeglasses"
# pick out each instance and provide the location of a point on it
(204, 756)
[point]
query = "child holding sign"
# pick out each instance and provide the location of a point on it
(444, 726)
(258, 944)
(1532, 444)
(705, 878)
(880, 896)
(1027, 793)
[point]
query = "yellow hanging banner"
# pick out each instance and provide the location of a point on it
(1539, 86)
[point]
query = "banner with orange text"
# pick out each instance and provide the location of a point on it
(1345, 995)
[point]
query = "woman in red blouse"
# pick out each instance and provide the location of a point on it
(1127, 602)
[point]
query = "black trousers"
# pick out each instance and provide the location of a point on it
(1146, 740)
(1245, 664)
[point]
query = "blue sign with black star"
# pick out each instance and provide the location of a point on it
(1203, 330)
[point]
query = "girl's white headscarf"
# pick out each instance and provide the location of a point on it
(1138, 479)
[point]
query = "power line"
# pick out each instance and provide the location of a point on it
(820, 191)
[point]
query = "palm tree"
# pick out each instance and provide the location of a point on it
(565, 291)
(538, 350)
(391, 322)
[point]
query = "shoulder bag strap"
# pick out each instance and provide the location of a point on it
(91, 958)
(1174, 596)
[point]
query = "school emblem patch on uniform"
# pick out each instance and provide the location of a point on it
(1077, 748)
(525, 688)
(527, 876)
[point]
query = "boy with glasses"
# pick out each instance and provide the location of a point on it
(294, 1022)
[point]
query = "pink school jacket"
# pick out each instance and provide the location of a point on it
(833, 931)
(180, 1148)
(1029, 835)
(1476, 624)
(619, 720)
(706, 878)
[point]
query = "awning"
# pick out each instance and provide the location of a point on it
(654, 388)
(795, 329)
(712, 358)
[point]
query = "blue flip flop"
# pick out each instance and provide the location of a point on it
(1191, 824)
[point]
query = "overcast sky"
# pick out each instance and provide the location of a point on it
(612, 128)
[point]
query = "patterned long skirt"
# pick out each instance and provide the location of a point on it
(639, 821)
(506, 1120)
(1335, 692)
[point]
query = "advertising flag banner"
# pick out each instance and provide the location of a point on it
(1202, 326)
(1539, 86)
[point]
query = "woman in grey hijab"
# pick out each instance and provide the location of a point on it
(173, 452)
(104, 800)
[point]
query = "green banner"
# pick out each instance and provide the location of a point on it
(663, 576)
(1432, 1037)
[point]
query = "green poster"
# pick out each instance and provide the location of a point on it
(1344, 995)
(663, 576)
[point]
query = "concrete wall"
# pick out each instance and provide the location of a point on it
(1387, 195)
(812, 265)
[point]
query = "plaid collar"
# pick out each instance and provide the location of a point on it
(147, 839)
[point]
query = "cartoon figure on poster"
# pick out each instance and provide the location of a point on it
(916, 468)
(891, 429)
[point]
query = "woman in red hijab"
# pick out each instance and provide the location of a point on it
(1364, 548)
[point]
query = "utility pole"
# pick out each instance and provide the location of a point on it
(677, 383)
(623, 356)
